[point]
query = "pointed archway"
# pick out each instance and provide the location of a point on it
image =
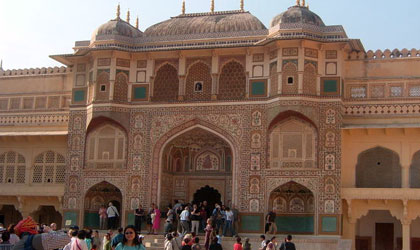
(192, 159)
(98, 195)
(9, 215)
(294, 205)
(209, 194)
(47, 215)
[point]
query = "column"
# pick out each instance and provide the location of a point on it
(301, 69)
(321, 69)
(214, 86)
(181, 89)
(112, 74)
(280, 71)
(214, 75)
(94, 77)
(405, 176)
(406, 234)
(352, 232)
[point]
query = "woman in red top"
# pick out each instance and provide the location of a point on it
(238, 244)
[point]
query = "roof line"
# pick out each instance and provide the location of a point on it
(227, 12)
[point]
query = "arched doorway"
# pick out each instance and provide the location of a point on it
(209, 194)
(294, 205)
(194, 159)
(100, 194)
(9, 215)
(47, 215)
(378, 230)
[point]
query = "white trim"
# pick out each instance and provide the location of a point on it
(34, 133)
(207, 104)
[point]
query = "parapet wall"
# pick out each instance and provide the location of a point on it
(36, 71)
(387, 54)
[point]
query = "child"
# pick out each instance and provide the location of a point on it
(246, 245)
(238, 244)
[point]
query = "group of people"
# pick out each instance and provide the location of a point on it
(108, 217)
(195, 218)
(188, 217)
(28, 235)
(272, 244)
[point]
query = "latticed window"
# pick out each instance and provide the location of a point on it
(396, 91)
(106, 148)
(292, 145)
(12, 168)
(415, 91)
(49, 167)
(358, 92)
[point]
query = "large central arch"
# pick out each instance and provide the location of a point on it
(163, 142)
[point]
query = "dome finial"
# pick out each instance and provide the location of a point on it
(242, 5)
(303, 3)
(118, 11)
(137, 22)
(128, 16)
(297, 2)
(212, 6)
(183, 7)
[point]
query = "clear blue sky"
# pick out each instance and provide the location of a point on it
(31, 30)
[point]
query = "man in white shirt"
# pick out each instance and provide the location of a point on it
(185, 218)
(113, 215)
(229, 223)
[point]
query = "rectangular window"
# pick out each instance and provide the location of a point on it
(78, 96)
(140, 92)
(330, 86)
(258, 88)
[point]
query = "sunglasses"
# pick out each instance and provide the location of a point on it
(129, 233)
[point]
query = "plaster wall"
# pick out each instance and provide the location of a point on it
(382, 68)
(405, 142)
(36, 84)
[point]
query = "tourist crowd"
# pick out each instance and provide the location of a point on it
(183, 223)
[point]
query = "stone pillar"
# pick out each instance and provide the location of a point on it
(352, 232)
(318, 85)
(280, 71)
(301, 68)
(181, 89)
(94, 77)
(405, 176)
(112, 75)
(406, 234)
(214, 86)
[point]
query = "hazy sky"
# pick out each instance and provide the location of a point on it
(31, 30)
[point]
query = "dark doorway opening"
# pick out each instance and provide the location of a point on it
(101, 194)
(384, 236)
(209, 194)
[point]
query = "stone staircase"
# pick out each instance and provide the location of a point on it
(302, 242)
(155, 242)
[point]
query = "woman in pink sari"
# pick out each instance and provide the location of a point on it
(156, 219)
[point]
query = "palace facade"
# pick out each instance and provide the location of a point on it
(295, 117)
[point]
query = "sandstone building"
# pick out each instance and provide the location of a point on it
(295, 117)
